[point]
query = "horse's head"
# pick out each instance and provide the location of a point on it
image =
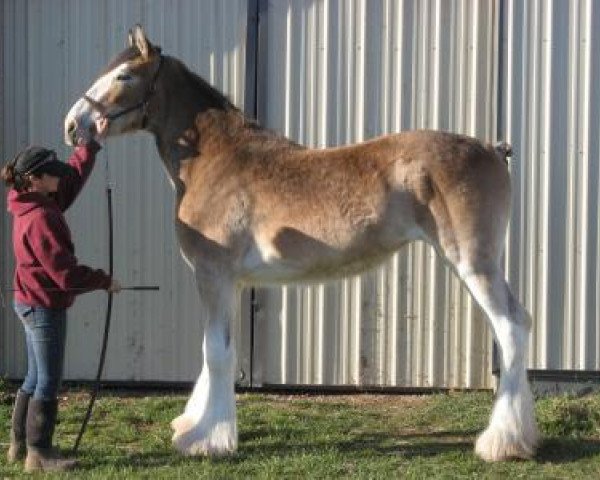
(121, 93)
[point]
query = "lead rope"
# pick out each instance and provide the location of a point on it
(96, 386)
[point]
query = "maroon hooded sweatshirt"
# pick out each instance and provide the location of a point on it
(46, 272)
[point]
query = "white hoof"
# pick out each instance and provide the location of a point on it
(495, 445)
(182, 424)
(191, 439)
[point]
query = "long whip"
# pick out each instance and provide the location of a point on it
(96, 386)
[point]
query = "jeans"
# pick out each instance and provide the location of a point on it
(45, 334)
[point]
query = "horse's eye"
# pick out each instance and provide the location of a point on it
(123, 77)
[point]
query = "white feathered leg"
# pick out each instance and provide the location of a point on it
(512, 431)
(208, 425)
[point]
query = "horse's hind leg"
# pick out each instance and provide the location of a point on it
(512, 431)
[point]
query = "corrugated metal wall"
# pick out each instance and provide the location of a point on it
(52, 52)
(343, 71)
(550, 113)
(332, 72)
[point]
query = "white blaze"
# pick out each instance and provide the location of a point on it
(82, 112)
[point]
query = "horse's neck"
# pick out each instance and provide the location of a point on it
(198, 124)
(196, 136)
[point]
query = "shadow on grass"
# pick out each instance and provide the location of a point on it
(406, 445)
(263, 442)
(426, 445)
(381, 444)
(567, 450)
(149, 459)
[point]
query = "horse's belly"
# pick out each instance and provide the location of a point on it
(300, 258)
(281, 273)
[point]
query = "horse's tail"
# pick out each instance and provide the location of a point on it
(503, 150)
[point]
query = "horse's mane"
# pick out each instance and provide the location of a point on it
(215, 99)
(210, 93)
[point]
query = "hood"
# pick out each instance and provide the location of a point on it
(21, 203)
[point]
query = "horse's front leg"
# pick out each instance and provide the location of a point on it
(208, 424)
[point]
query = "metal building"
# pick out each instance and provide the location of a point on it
(330, 72)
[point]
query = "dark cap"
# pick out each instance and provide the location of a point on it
(40, 160)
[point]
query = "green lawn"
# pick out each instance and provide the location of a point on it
(359, 436)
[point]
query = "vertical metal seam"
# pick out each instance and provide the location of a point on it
(4, 308)
(583, 153)
(500, 132)
(251, 109)
(252, 53)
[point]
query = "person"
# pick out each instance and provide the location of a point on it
(47, 279)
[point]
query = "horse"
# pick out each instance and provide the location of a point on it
(255, 208)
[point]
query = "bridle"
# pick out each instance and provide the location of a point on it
(143, 104)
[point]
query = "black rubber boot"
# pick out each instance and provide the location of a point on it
(41, 457)
(16, 450)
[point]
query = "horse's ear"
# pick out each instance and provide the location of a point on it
(130, 41)
(141, 42)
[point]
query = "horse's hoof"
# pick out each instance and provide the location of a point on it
(181, 424)
(496, 445)
(220, 441)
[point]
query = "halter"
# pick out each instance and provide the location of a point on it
(143, 104)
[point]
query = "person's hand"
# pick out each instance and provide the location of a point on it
(101, 127)
(83, 137)
(115, 286)
(97, 132)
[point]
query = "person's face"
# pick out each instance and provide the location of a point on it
(45, 184)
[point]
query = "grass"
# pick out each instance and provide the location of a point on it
(360, 436)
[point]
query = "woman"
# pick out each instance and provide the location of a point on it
(47, 278)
